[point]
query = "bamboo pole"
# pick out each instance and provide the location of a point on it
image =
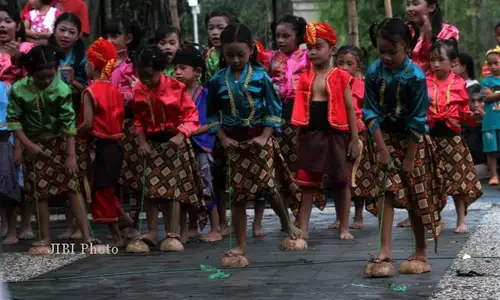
(388, 8)
(353, 23)
(174, 13)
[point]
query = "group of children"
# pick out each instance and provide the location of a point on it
(268, 125)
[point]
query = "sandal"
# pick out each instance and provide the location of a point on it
(379, 267)
(415, 265)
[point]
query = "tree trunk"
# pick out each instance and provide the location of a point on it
(174, 13)
(108, 10)
(388, 8)
(353, 36)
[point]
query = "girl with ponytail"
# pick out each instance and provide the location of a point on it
(408, 174)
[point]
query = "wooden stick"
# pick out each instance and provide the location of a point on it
(353, 23)
(388, 8)
(174, 13)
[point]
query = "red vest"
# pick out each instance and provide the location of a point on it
(336, 82)
(109, 110)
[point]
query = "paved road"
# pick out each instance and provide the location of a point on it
(330, 269)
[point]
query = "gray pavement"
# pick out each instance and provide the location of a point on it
(330, 269)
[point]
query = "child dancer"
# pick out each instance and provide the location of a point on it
(428, 16)
(215, 22)
(328, 135)
(245, 127)
(103, 114)
(9, 189)
(165, 118)
(41, 115)
(449, 108)
(11, 48)
(189, 66)
(349, 59)
(39, 22)
(490, 89)
(72, 70)
(168, 39)
(409, 175)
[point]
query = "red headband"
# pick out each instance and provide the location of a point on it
(102, 54)
(320, 30)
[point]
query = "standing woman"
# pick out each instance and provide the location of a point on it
(429, 18)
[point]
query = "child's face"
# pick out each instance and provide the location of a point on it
(459, 69)
(169, 45)
(494, 63)
(392, 55)
(66, 34)
(440, 63)
(321, 53)
(286, 38)
(149, 76)
(8, 28)
(497, 35)
(35, 3)
(119, 40)
(215, 27)
(476, 103)
(186, 74)
(348, 63)
(44, 78)
(237, 55)
(417, 9)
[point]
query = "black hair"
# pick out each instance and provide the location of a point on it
(46, 2)
(163, 31)
(239, 33)
(41, 57)
(12, 10)
(497, 26)
(475, 88)
(298, 23)
(395, 30)
(450, 46)
(150, 56)
(78, 47)
(436, 18)
(467, 60)
(221, 13)
(125, 26)
(189, 55)
(355, 51)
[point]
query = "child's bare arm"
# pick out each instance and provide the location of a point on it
(88, 114)
(351, 114)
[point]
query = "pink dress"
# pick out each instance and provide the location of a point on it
(420, 54)
(120, 78)
(285, 71)
(10, 73)
(42, 22)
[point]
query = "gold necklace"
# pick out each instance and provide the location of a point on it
(232, 103)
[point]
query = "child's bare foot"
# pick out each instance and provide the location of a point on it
(10, 240)
(211, 237)
(130, 233)
(405, 223)
(257, 231)
(27, 235)
(346, 235)
(41, 243)
(236, 252)
(462, 228)
(194, 233)
(149, 236)
(77, 235)
(334, 225)
(66, 234)
(357, 224)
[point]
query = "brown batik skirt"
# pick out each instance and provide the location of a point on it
(422, 191)
(288, 144)
(364, 185)
(460, 175)
(258, 172)
(46, 175)
(132, 165)
(170, 172)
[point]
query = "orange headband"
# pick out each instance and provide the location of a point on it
(320, 30)
(102, 54)
(261, 52)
